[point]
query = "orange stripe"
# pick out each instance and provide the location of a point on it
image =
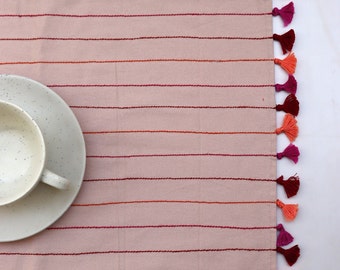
(137, 61)
(172, 201)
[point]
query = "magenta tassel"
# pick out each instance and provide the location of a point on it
(286, 13)
(290, 86)
(291, 152)
(284, 238)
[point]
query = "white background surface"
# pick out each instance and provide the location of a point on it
(317, 226)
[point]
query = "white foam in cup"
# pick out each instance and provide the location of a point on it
(22, 155)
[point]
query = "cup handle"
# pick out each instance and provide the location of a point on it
(54, 180)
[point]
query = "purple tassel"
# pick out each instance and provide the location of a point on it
(291, 152)
(290, 86)
(284, 238)
(286, 13)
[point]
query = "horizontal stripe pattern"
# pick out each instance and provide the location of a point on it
(162, 93)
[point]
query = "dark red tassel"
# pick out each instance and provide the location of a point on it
(286, 40)
(291, 105)
(291, 255)
(284, 238)
(286, 13)
(291, 185)
(291, 152)
(290, 86)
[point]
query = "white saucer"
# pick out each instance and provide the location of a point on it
(65, 156)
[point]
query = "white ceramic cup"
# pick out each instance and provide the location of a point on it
(22, 155)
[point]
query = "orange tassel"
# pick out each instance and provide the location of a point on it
(288, 64)
(289, 127)
(289, 210)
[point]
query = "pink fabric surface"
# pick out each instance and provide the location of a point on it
(173, 166)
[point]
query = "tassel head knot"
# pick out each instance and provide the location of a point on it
(279, 203)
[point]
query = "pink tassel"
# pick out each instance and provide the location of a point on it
(291, 152)
(286, 13)
(284, 238)
(290, 86)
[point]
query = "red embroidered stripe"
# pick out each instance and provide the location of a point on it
(160, 227)
(180, 178)
(164, 85)
(184, 155)
(135, 251)
(135, 38)
(137, 15)
(173, 201)
(183, 132)
(169, 107)
(138, 61)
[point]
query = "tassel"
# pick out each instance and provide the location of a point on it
(286, 40)
(290, 105)
(291, 185)
(289, 127)
(288, 64)
(291, 152)
(289, 210)
(284, 238)
(290, 86)
(286, 13)
(291, 255)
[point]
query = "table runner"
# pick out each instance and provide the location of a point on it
(176, 101)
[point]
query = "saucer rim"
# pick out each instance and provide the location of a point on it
(82, 166)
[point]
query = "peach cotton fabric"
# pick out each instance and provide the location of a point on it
(180, 138)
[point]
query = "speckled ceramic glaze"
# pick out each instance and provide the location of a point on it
(65, 155)
(22, 155)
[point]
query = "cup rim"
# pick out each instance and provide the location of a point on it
(38, 132)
